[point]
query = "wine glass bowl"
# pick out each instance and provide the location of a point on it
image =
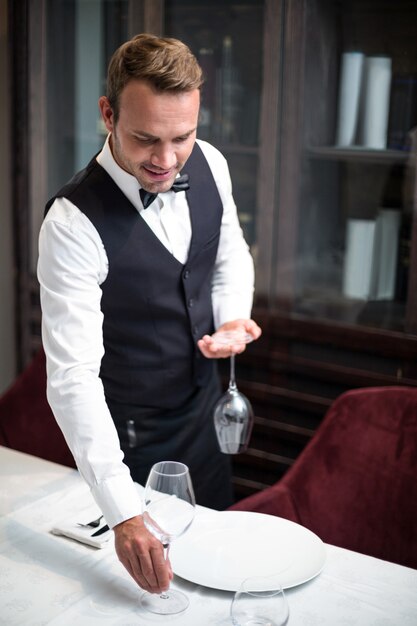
(169, 503)
(168, 511)
(233, 421)
(260, 601)
(233, 413)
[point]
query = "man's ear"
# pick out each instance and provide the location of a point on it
(106, 113)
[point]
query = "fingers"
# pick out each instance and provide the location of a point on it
(142, 555)
(154, 570)
(254, 329)
(208, 347)
(162, 569)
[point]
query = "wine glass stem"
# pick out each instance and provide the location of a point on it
(232, 382)
(165, 594)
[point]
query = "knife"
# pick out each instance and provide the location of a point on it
(100, 531)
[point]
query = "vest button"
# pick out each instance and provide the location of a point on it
(186, 274)
(190, 303)
(195, 331)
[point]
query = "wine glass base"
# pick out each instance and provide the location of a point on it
(232, 337)
(251, 620)
(168, 603)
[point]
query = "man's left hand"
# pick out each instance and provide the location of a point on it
(215, 350)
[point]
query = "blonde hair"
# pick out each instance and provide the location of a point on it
(167, 64)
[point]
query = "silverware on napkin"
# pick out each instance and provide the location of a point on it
(93, 524)
(100, 531)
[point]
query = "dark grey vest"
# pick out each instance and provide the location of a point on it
(154, 307)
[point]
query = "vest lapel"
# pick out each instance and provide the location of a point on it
(205, 208)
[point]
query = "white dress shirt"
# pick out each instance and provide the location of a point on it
(72, 265)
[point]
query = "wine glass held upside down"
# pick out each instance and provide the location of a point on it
(233, 414)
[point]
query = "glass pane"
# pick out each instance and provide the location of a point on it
(359, 137)
(226, 37)
(81, 36)
(74, 42)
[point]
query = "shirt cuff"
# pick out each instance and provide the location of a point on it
(228, 311)
(118, 499)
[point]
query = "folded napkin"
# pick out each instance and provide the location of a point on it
(86, 511)
(69, 528)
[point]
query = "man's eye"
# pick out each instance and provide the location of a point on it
(144, 140)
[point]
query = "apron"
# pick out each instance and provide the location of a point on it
(185, 434)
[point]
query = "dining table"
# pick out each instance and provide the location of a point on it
(50, 579)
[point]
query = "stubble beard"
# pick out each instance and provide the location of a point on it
(135, 169)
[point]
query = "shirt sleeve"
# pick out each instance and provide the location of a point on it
(71, 267)
(234, 275)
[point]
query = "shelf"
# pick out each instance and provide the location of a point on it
(358, 154)
(231, 148)
(384, 314)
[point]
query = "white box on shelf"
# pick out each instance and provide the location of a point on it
(375, 103)
(385, 259)
(358, 263)
(350, 82)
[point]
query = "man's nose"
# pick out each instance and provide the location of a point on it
(164, 156)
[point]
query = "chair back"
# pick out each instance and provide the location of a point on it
(355, 483)
(26, 420)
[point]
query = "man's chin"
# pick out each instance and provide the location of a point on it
(157, 187)
(153, 185)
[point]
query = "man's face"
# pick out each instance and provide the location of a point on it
(155, 133)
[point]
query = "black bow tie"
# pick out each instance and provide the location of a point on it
(180, 184)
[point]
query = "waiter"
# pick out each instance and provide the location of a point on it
(141, 258)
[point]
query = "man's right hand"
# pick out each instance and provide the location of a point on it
(142, 555)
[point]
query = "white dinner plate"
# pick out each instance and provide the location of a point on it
(220, 550)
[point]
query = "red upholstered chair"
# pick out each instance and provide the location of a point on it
(26, 420)
(355, 483)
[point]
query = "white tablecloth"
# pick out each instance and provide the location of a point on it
(46, 579)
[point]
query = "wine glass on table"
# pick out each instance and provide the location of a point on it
(233, 413)
(260, 601)
(168, 511)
